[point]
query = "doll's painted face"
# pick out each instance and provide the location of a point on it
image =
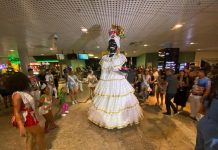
(112, 47)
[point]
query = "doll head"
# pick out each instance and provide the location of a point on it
(112, 46)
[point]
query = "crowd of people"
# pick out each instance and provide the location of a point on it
(188, 84)
(198, 86)
(33, 95)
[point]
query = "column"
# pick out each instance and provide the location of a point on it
(24, 59)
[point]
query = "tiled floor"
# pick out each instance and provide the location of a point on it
(155, 132)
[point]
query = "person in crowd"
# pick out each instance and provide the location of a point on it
(73, 86)
(24, 111)
(50, 82)
(152, 83)
(35, 85)
(199, 92)
(161, 90)
(64, 109)
(207, 131)
(41, 75)
(4, 92)
(193, 73)
(171, 91)
(92, 82)
(145, 86)
(78, 83)
(56, 77)
(181, 96)
(156, 76)
(139, 80)
(45, 108)
(131, 75)
(65, 71)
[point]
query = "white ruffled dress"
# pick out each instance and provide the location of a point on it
(114, 104)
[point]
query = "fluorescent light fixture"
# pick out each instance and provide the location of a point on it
(98, 46)
(84, 29)
(145, 45)
(95, 57)
(177, 26)
(91, 55)
(11, 50)
(192, 43)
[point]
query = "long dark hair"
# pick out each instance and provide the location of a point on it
(17, 81)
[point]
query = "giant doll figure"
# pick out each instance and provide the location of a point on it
(114, 104)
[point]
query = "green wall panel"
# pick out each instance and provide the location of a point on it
(140, 60)
(77, 63)
(186, 57)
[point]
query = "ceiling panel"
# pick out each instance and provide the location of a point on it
(31, 23)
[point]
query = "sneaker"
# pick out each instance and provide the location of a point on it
(166, 113)
(176, 112)
(66, 112)
(63, 115)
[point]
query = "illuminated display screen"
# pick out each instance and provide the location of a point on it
(83, 56)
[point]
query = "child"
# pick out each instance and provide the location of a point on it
(45, 108)
(64, 106)
(161, 89)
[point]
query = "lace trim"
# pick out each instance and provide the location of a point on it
(112, 79)
(112, 127)
(113, 95)
(112, 113)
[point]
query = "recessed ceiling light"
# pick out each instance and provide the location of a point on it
(145, 45)
(95, 57)
(91, 55)
(84, 29)
(177, 26)
(51, 49)
(42, 54)
(192, 43)
(11, 50)
(98, 46)
(198, 49)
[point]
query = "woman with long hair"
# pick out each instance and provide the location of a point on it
(24, 111)
(73, 86)
(181, 96)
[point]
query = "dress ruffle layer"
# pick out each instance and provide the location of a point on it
(114, 104)
(113, 87)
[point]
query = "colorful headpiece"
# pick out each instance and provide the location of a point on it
(115, 34)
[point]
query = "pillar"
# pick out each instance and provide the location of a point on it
(24, 59)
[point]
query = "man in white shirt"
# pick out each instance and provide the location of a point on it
(49, 78)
